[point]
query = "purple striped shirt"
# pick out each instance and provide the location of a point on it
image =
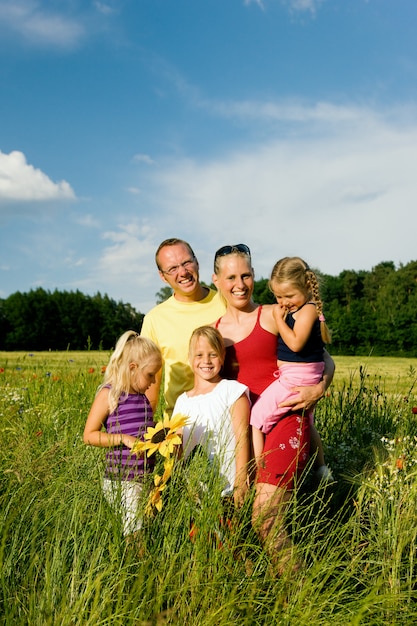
(132, 416)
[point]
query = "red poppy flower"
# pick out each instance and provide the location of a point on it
(414, 410)
(91, 370)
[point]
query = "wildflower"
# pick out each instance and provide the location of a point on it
(155, 499)
(91, 370)
(1, 370)
(168, 465)
(414, 410)
(163, 438)
(400, 463)
(103, 369)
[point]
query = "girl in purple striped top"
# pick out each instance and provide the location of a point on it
(119, 415)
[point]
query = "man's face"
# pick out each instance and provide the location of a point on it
(179, 269)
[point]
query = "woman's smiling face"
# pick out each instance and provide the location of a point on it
(235, 279)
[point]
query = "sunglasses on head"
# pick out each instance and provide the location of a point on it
(225, 250)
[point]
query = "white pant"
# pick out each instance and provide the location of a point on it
(124, 496)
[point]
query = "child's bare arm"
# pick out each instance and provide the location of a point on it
(240, 423)
(296, 338)
(93, 433)
(258, 441)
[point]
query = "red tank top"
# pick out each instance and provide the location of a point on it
(253, 360)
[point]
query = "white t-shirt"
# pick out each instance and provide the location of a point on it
(210, 425)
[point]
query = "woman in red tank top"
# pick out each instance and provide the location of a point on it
(250, 334)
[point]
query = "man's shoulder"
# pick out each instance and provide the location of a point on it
(160, 307)
(212, 296)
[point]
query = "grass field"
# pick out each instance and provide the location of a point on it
(396, 375)
(63, 559)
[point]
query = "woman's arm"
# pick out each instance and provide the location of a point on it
(93, 433)
(309, 396)
(240, 423)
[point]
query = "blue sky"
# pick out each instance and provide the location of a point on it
(289, 125)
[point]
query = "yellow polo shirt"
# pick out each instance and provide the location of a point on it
(170, 325)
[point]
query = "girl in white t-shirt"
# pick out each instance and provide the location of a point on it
(218, 413)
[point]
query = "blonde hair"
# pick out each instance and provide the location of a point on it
(214, 338)
(295, 271)
(130, 348)
(239, 249)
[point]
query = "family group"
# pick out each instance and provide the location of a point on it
(245, 376)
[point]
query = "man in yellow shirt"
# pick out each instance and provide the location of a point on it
(171, 323)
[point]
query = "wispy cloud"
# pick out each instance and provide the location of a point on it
(303, 5)
(39, 25)
(258, 2)
(288, 111)
(325, 194)
(297, 6)
(104, 7)
(87, 220)
(126, 267)
(20, 181)
(144, 158)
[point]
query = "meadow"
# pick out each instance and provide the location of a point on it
(64, 560)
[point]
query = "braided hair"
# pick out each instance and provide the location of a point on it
(295, 271)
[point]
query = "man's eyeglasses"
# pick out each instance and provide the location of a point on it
(174, 269)
(225, 250)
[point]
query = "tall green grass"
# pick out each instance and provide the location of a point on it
(64, 561)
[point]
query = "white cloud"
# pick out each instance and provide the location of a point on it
(20, 181)
(258, 2)
(71, 261)
(87, 220)
(293, 5)
(129, 244)
(105, 8)
(291, 111)
(144, 158)
(304, 5)
(30, 21)
(344, 195)
(126, 268)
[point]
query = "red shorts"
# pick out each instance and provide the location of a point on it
(285, 452)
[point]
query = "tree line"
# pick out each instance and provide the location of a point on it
(62, 320)
(368, 312)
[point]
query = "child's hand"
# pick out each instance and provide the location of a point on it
(279, 312)
(128, 441)
(239, 495)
